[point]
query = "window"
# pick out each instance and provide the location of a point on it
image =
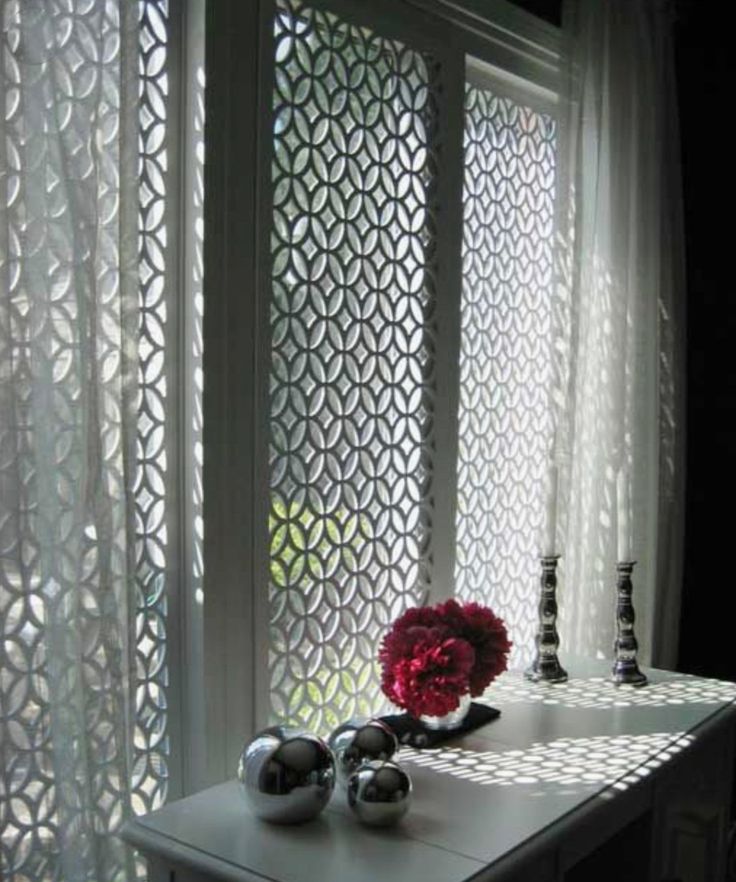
(389, 335)
(352, 445)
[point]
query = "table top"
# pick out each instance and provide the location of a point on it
(554, 750)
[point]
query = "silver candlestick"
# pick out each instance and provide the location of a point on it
(625, 667)
(546, 666)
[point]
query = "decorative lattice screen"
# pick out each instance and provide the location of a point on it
(43, 602)
(155, 438)
(505, 356)
(352, 355)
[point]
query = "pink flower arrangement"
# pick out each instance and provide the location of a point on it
(433, 655)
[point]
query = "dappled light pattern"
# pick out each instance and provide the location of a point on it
(351, 379)
(597, 427)
(504, 413)
(195, 331)
(564, 765)
(600, 692)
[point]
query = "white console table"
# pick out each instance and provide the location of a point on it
(575, 782)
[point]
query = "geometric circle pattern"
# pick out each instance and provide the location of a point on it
(154, 436)
(72, 646)
(505, 357)
(352, 356)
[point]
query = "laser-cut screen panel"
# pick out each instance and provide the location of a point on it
(505, 365)
(352, 366)
(152, 516)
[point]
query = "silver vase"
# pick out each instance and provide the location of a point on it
(448, 722)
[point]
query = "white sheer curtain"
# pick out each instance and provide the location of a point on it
(68, 393)
(618, 323)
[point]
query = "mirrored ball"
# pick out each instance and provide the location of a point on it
(359, 741)
(286, 775)
(379, 793)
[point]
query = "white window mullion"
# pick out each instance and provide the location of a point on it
(448, 243)
(190, 239)
(264, 134)
(229, 380)
(157, 770)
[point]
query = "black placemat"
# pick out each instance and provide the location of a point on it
(413, 733)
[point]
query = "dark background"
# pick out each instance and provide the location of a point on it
(704, 62)
(704, 65)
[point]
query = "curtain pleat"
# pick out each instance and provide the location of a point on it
(618, 323)
(68, 404)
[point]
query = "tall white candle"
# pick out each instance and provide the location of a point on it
(549, 546)
(623, 505)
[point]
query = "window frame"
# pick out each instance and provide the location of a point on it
(236, 326)
(188, 60)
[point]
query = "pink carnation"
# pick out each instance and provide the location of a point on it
(487, 634)
(434, 655)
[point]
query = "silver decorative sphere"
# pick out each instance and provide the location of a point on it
(379, 793)
(286, 775)
(358, 741)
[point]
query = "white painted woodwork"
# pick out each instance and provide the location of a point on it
(564, 770)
